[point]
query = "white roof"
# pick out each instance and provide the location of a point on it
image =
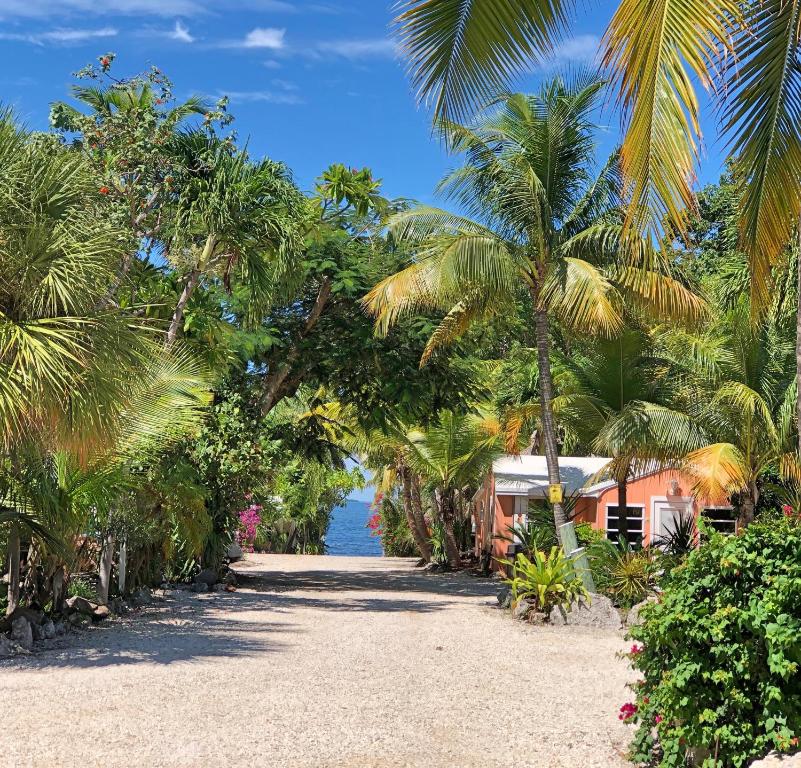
(528, 475)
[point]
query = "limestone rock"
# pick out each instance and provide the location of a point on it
(235, 552)
(200, 586)
(101, 612)
(633, 616)
(207, 576)
(37, 632)
(49, 629)
(230, 579)
(8, 648)
(505, 597)
(61, 628)
(141, 597)
(21, 633)
(79, 604)
(523, 608)
(598, 613)
(776, 760)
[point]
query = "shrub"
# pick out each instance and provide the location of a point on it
(389, 523)
(625, 575)
(549, 580)
(721, 650)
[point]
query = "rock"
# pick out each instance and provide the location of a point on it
(776, 760)
(598, 613)
(505, 597)
(118, 606)
(523, 608)
(101, 612)
(207, 576)
(537, 618)
(37, 632)
(49, 629)
(235, 552)
(200, 586)
(21, 633)
(219, 587)
(8, 648)
(230, 579)
(61, 628)
(633, 616)
(141, 597)
(78, 619)
(79, 604)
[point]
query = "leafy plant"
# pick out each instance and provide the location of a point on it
(721, 650)
(547, 579)
(680, 538)
(627, 576)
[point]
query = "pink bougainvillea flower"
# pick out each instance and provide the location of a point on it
(658, 719)
(627, 711)
(636, 649)
(104, 190)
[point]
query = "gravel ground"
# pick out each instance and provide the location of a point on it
(317, 662)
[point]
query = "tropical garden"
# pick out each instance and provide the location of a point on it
(193, 347)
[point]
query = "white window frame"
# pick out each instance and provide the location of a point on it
(721, 507)
(688, 500)
(641, 507)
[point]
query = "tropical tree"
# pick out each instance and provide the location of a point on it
(541, 224)
(743, 54)
(451, 456)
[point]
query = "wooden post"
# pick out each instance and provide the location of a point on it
(106, 560)
(13, 569)
(567, 535)
(58, 589)
(121, 566)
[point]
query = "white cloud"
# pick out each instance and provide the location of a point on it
(581, 49)
(264, 37)
(272, 64)
(42, 9)
(181, 33)
(63, 35)
(271, 97)
(359, 49)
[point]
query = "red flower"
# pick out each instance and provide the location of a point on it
(788, 510)
(658, 719)
(636, 649)
(627, 711)
(105, 62)
(104, 190)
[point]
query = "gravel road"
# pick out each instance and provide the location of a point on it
(320, 662)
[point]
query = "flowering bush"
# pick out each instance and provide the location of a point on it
(249, 521)
(388, 522)
(720, 652)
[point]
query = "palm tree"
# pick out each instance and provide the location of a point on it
(234, 217)
(744, 54)
(541, 224)
(450, 456)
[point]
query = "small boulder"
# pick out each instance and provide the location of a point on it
(37, 632)
(49, 629)
(101, 612)
(8, 647)
(523, 608)
(537, 618)
(505, 597)
(78, 604)
(219, 587)
(21, 633)
(200, 586)
(235, 552)
(207, 576)
(78, 619)
(599, 613)
(633, 616)
(141, 597)
(230, 579)
(118, 606)
(61, 628)
(776, 760)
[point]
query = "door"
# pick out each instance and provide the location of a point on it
(668, 515)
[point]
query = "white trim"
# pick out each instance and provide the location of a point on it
(628, 506)
(689, 500)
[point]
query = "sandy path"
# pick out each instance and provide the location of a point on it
(320, 662)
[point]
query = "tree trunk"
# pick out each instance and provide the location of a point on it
(798, 344)
(178, 315)
(546, 399)
(747, 507)
(408, 507)
(13, 569)
(622, 510)
(448, 515)
(419, 517)
(122, 566)
(58, 589)
(106, 560)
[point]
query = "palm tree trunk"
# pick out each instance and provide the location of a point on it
(408, 508)
(180, 308)
(106, 560)
(546, 399)
(622, 510)
(448, 515)
(748, 506)
(419, 517)
(798, 343)
(13, 570)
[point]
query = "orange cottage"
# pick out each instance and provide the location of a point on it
(656, 500)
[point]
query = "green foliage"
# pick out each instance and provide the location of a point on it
(79, 587)
(396, 538)
(548, 579)
(721, 651)
(627, 576)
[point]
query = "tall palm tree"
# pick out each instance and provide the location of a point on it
(233, 217)
(451, 455)
(744, 54)
(541, 224)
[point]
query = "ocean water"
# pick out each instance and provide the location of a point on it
(348, 533)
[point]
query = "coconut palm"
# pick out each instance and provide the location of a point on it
(744, 54)
(541, 224)
(449, 456)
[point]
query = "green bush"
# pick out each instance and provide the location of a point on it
(721, 650)
(625, 575)
(547, 579)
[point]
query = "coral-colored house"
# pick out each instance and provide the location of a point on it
(655, 501)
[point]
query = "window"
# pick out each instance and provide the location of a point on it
(634, 519)
(723, 519)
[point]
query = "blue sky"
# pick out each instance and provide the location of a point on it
(311, 82)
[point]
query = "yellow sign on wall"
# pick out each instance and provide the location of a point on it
(555, 493)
